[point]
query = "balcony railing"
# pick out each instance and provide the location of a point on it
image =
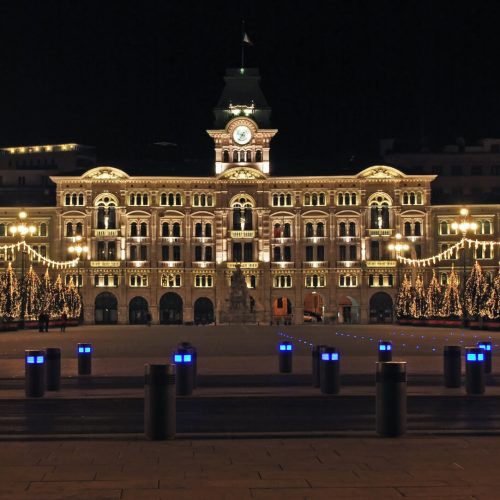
(347, 263)
(281, 241)
(202, 239)
(380, 232)
(315, 264)
(282, 265)
(315, 239)
(381, 263)
(106, 232)
(242, 234)
(173, 264)
(203, 265)
(172, 239)
(105, 263)
(243, 265)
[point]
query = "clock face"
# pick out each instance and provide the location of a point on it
(242, 134)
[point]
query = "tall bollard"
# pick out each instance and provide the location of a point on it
(84, 352)
(159, 402)
(486, 346)
(183, 360)
(316, 357)
(285, 357)
(452, 366)
(53, 368)
(474, 370)
(194, 353)
(34, 372)
(391, 398)
(385, 350)
(329, 371)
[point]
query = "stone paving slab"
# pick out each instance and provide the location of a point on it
(424, 466)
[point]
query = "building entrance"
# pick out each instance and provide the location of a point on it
(105, 309)
(381, 308)
(138, 311)
(171, 309)
(203, 311)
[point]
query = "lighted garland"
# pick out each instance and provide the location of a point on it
(34, 254)
(447, 254)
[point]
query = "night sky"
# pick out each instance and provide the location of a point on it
(338, 75)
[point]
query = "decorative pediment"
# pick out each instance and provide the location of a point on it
(105, 173)
(380, 172)
(242, 173)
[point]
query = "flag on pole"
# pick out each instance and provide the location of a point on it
(246, 39)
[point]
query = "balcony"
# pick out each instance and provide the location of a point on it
(106, 232)
(315, 239)
(281, 241)
(202, 239)
(347, 239)
(315, 264)
(172, 239)
(137, 263)
(282, 265)
(347, 263)
(243, 265)
(380, 232)
(242, 234)
(172, 264)
(203, 265)
(381, 263)
(105, 263)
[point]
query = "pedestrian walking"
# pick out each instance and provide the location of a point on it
(46, 319)
(40, 322)
(64, 318)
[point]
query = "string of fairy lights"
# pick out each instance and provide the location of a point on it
(449, 252)
(36, 255)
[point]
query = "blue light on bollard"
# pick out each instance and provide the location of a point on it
(334, 356)
(487, 348)
(474, 370)
(34, 370)
(330, 371)
(84, 350)
(385, 350)
(84, 354)
(284, 347)
(383, 347)
(285, 357)
(183, 358)
(475, 357)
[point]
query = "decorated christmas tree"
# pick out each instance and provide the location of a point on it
(404, 299)
(10, 298)
(46, 294)
(452, 307)
(433, 298)
(31, 289)
(492, 307)
(417, 307)
(72, 300)
(476, 292)
(59, 303)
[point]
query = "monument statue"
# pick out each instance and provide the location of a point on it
(241, 307)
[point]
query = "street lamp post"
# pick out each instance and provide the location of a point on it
(77, 249)
(22, 229)
(397, 247)
(464, 226)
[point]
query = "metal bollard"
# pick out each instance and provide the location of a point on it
(84, 359)
(52, 368)
(34, 372)
(385, 350)
(194, 353)
(316, 356)
(452, 366)
(159, 402)
(285, 357)
(487, 348)
(391, 398)
(329, 371)
(474, 370)
(183, 360)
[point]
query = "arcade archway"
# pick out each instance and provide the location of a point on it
(381, 308)
(282, 310)
(105, 309)
(171, 309)
(313, 307)
(138, 311)
(203, 311)
(348, 310)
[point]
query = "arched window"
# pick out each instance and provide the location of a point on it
(412, 198)
(352, 229)
(282, 199)
(210, 200)
(176, 229)
(443, 227)
(145, 199)
(407, 230)
(133, 229)
(340, 199)
(307, 199)
(258, 155)
(198, 231)
(309, 230)
(163, 199)
(320, 229)
(100, 217)
(171, 199)
(353, 199)
(79, 229)
(80, 199)
(208, 230)
(275, 200)
(132, 199)
(249, 156)
(178, 199)
(203, 200)
(67, 199)
(74, 199)
(43, 229)
(342, 229)
(69, 229)
(405, 198)
(419, 198)
(225, 156)
(276, 254)
(288, 199)
(235, 156)
(322, 199)
(196, 200)
(418, 229)
(164, 229)
(314, 199)
(144, 229)
(287, 230)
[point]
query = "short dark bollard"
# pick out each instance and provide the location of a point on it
(391, 398)
(84, 359)
(385, 350)
(316, 356)
(194, 353)
(486, 346)
(329, 371)
(452, 366)
(474, 370)
(285, 357)
(159, 402)
(184, 370)
(52, 368)
(34, 372)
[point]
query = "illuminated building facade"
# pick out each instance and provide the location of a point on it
(310, 247)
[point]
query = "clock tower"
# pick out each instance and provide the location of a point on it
(242, 136)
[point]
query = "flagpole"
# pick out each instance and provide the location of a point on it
(242, 43)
